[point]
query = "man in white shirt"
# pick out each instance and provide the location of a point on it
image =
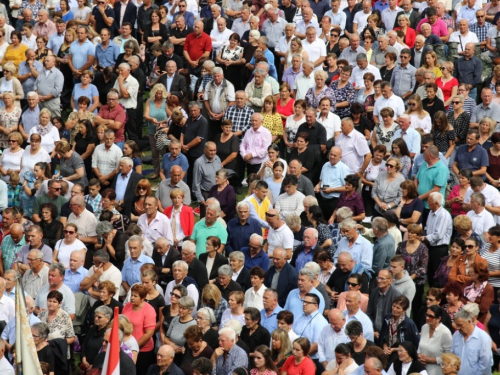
(463, 36)
(481, 219)
(337, 15)
(390, 14)
(315, 47)
(361, 18)
(279, 235)
(359, 71)
(307, 21)
(490, 193)
(304, 81)
(355, 151)
(220, 35)
(7, 305)
(388, 100)
(329, 120)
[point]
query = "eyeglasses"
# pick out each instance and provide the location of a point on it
(442, 68)
(470, 246)
(391, 166)
(56, 189)
(430, 299)
(457, 103)
(32, 260)
(334, 35)
(352, 284)
(172, 294)
(11, 141)
(69, 231)
(404, 56)
(308, 303)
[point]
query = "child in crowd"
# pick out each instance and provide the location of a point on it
(93, 197)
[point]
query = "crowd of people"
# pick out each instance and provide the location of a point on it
(328, 199)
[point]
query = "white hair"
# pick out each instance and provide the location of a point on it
(437, 197)
(228, 332)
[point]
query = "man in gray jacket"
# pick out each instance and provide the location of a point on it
(49, 85)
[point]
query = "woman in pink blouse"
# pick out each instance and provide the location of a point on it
(143, 317)
(447, 83)
(299, 363)
(264, 364)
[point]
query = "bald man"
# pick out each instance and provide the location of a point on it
(5, 367)
(332, 335)
(75, 274)
(165, 362)
(11, 245)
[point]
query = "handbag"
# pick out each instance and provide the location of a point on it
(162, 139)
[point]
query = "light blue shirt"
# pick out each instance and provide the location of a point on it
(107, 57)
(29, 84)
(12, 294)
(411, 137)
(9, 332)
(169, 82)
(475, 353)
(131, 271)
(361, 251)
(439, 227)
(337, 19)
(68, 303)
(470, 15)
(365, 321)
(270, 322)
(310, 327)
(333, 176)
(294, 302)
(329, 339)
(121, 185)
(29, 118)
(80, 52)
(73, 280)
(55, 42)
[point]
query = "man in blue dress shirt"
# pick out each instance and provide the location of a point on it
(254, 255)
(131, 271)
(75, 274)
(269, 314)
(472, 345)
(305, 286)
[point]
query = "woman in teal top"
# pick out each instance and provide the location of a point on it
(156, 116)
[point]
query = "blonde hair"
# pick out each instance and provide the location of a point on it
(462, 222)
(10, 67)
(398, 163)
(155, 89)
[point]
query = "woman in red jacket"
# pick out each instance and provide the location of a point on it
(181, 217)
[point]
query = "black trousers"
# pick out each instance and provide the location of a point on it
(203, 209)
(214, 129)
(131, 127)
(436, 253)
(252, 168)
(328, 205)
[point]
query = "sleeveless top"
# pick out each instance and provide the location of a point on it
(158, 113)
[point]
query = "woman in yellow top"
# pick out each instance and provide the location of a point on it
(271, 119)
(16, 52)
(431, 63)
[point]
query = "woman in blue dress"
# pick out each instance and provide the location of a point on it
(131, 150)
(87, 89)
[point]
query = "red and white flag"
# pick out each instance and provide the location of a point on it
(112, 360)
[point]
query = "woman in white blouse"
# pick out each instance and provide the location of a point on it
(420, 118)
(435, 339)
(49, 133)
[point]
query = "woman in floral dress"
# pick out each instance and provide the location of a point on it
(230, 59)
(9, 119)
(320, 91)
(344, 93)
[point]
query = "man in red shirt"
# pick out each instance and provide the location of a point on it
(114, 116)
(198, 45)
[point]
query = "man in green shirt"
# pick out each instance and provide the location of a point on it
(53, 195)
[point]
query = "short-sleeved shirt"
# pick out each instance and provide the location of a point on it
(141, 320)
(196, 47)
(472, 160)
(99, 20)
(317, 133)
(201, 232)
(116, 114)
(80, 52)
(68, 303)
(428, 177)
(197, 128)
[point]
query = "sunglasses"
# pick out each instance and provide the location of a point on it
(430, 316)
(457, 103)
(142, 188)
(352, 284)
(172, 294)
(412, 104)
(68, 231)
(56, 189)
(334, 35)
(470, 246)
(270, 215)
(442, 68)
(11, 141)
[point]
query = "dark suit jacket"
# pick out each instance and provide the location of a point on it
(178, 86)
(299, 249)
(415, 18)
(198, 272)
(244, 279)
(129, 16)
(173, 255)
(219, 260)
(424, 51)
(129, 192)
(210, 24)
(286, 282)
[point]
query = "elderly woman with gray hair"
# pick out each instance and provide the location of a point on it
(94, 337)
(235, 310)
(175, 334)
(237, 263)
(40, 332)
(113, 241)
(179, 273)
(342, 214)
(205, 318)
(320, 91)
